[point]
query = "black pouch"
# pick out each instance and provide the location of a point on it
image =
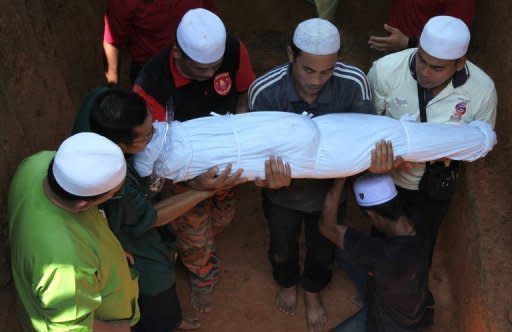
(438, 181)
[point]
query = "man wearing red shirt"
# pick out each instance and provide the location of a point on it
(207, 70)
(144, 27)
(408, 17)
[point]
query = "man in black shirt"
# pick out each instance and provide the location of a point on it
(398, 295)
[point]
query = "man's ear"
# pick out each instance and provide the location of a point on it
(290, 53)
(81, 205)
(460, 63)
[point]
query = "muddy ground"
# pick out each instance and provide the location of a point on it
(50, 56)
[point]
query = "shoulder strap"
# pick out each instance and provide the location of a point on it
(422, 99)
(423, 104)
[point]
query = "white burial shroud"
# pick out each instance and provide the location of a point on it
(327, 146)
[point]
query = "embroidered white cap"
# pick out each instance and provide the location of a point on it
(202, 36)
(374, 189)
(317, 36)
(445, 37)
(87, 164)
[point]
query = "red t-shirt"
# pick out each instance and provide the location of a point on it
(147, 28)
(411, 15)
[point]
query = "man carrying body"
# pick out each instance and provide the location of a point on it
(455, 92)
(144, 27)
(398, 295)
(206, 71)
(69, 270)
(136, 218)
(313, 82)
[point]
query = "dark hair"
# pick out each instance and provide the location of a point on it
(297, 51)
(61, 192)
(116, 112)
(391, 210)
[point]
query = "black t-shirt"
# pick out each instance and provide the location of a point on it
(398, 296)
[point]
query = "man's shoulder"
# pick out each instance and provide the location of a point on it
(270, 83)
(477, 76)
(391, 62)
(344, 75)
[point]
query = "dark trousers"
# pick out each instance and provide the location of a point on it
(431, 212)
(285, 226)
(159, 313)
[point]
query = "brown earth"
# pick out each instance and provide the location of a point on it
(50, 56)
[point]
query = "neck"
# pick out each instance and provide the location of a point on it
(56, 200)
(307, 97)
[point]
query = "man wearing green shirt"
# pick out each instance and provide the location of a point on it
(69, 270)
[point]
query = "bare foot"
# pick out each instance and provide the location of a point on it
(189, 323)
(315, 311)
(286, 300)
(201, 301)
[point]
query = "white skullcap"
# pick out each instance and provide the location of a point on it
(202, 36)
(87, 164)
(445, 38)
(317, 36)
(374, 189)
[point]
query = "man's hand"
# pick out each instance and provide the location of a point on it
(277, 174)
(395, 41)
(383, 159)
(211, 181)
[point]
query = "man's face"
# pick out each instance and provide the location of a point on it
(434, 73)
(195, 71)
(310, 73)
(142, 136)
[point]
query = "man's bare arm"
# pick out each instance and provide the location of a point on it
(242, 104)
(328, 226)
(112, 56)
(173, 207)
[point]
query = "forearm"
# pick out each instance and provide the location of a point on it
(112, 57)
(328, 221)
(100, 326)
(175, 206)
(242, 104)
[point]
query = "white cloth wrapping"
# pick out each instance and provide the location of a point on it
(327, 146)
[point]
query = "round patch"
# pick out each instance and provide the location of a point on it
(461, 108)
(222, 84)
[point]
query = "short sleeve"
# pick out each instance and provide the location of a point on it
(245, 74)
(488, 108)
(68, 295)
(378, 95)
(118, 22)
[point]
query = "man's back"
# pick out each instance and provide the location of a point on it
(65, 266)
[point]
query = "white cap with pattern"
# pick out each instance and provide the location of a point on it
(87, 164)
(445, 38)
(374, 189)
(317, 36)
(202, 36)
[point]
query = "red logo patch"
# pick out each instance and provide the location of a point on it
(461, 108)
(222, 83)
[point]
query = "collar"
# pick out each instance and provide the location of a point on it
(459, 78)
(291, 90)
(179, 79)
